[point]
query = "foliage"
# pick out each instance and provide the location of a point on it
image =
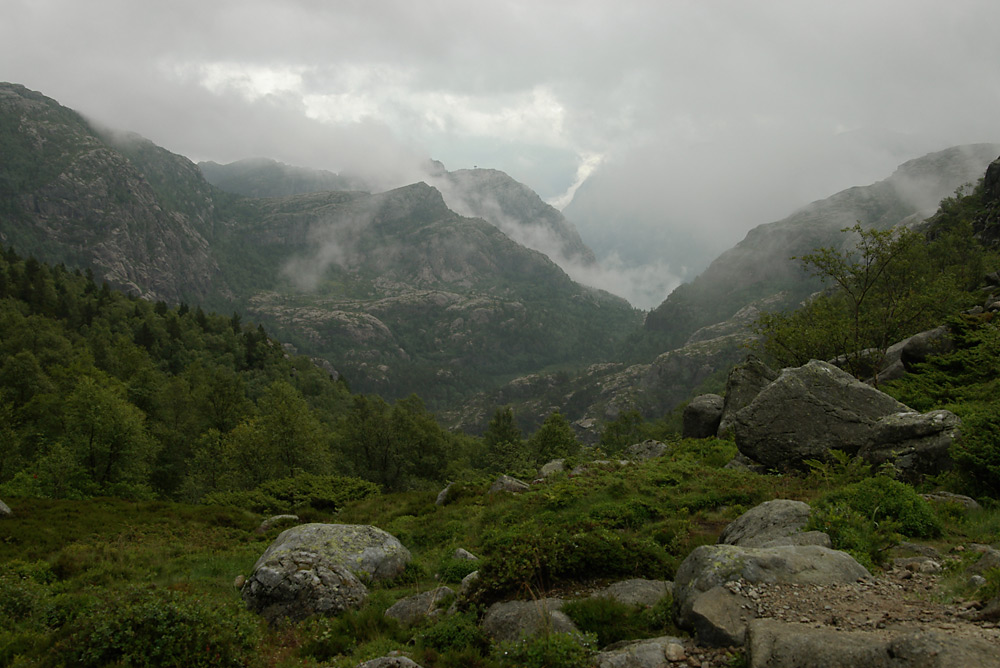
(891, 284)
(325, 493)
(328, 637)
(458, 631)
(555, 439)
(506, 451)
(623, 431)
(547, 650)
(612, 621)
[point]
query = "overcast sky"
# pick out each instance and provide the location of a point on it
(750, 108)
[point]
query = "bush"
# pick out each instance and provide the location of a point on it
(452, 570)
(453, 633)
(552, 650)
(320, 492)
(882, 498)
(328, 637)
(159, 628)
(612, 621)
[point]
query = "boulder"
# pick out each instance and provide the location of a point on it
(776, 644)
(915, 444)
(649, 653)
(637, 592)
(715, 571)
(464, 555)
(416, 608)
(513, 620)
(553, 467)
(390, 662)
(745, 382)
(808, 411)
(506, 483)
(773, 523)
(5, 510)
(444, 496)
(949, 497)
(648, 449)
(320, 568)
(468, 584)
(919, 347)
(702, 416)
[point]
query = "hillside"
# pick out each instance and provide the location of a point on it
(395, 290)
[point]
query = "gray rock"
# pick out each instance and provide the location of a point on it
(915, 444)
(390, 662)
(465, 555)
(506, 483)
(775, 644)
(513, 620)
(648, 449)
(370, 553)
(650, 653)
(299, 584)
(989, 560)
(468, 584)
(5, 510)
(919, 347)
(720, 619)
(744, 383)
(768, 521)
(808, 411)
(274, 521)
(553, 467)
(702, 416)
(416, 608)
(948, 497)
(637, 592)
(444, 496)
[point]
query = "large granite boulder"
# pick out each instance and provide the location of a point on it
(773, 523)
(707, 588)
(915, 444)
(321, 569)
(806, 412)
(744, 383)
(776, 644)
(702, 416)
(513, 620)
(416, 608)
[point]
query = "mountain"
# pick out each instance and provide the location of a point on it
(263, 177)
(397, 291)
(764, 264)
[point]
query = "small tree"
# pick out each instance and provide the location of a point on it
(506, 451)
(555, 439)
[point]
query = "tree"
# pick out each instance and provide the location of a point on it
(886, 288)
(555, 439)
(506, 451)
(623, 431)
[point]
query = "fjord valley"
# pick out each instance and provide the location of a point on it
(257, 415)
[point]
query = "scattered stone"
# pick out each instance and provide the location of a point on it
(239, 581)
(5, 510)
(506, 483)
(274, 521)
(463, 554)
(648, 449)
(390, 662)
(513, 620)
(469, 584)
(553, 467)
(444, 496)
(702, 416)
(416, 608)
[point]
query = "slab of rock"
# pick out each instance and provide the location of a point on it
(650, 653)
(637, 592)
(648, 449)
(274, 521)
(468, 584)
(702, 416)
(919, 347)
(776, 644)
(506, 483)
(806, 412)
(513, 620)
(553, 467)
(5, 510)
(948, 497)
(915, 444)
(744, 383)
(416, 608)
(773, 523)
(464, 555)
(714, 572)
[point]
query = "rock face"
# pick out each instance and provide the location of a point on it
(707, 595)
(320, 569)
(513, 620)
(418, 607)
(915, 444)
(808, 411)
(744, 383)
(775, 644)
(773, 523)
(702, 416)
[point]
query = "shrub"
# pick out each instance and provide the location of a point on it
(320, 492)
(882, 498)
(453, 570)
(551, 650)
(142, 627)
(328, 637)
(455, 632)
(612, 621)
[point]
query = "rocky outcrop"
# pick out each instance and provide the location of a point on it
(426, 605)
(513, 620)
(708, 596)
(321, 569)
(702, 416)
(773, 523)
(776, 644)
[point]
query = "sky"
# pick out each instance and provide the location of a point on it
(685, 123)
